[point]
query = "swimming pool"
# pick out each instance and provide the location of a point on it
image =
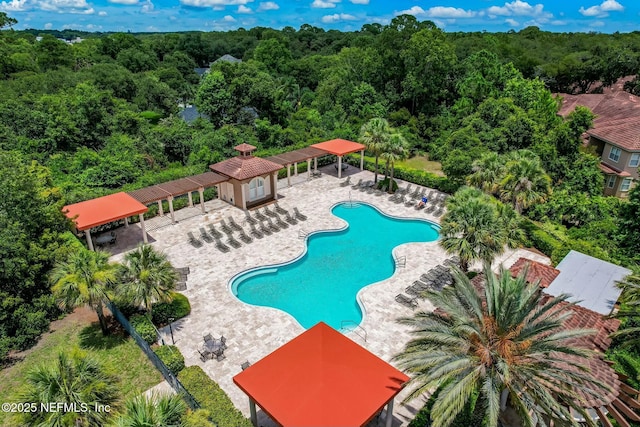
(323, 283)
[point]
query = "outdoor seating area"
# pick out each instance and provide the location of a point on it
(212, 348)
(264, 221)
(106, 239)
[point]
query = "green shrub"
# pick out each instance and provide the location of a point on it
(171, 357)
(144, 328)
(385, 183)
(212, 398)
(176, 309)
(151, 116)
(199, 418)
(467, 417)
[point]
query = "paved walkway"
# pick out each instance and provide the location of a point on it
(253, 332)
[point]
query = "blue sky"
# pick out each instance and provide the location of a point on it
(207, 15)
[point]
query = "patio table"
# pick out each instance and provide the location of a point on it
(104, 239)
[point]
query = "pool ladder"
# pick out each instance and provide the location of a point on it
(351, 326)
(400, 261)
(302, 233)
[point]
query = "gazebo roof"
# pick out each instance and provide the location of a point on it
(103, 210)
(297, 156)
(246, 167)
(339, 147)
(321, 378)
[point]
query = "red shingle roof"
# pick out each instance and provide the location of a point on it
(536, 271)
(244, 147)
(242, 168)
(608, 170)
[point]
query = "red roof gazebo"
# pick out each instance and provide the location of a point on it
(321, 378)
(341, 147)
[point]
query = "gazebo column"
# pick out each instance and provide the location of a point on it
(173, 217)
(126, 222)
(361, 159)
(87, 234)
(339, 166)
(295, 169)
(160, 211)
(254, 414)
(315, 164)
(275, 185)
(309, 169)
(144, 231)
(190, 199)
(289, 175)
(389, 418)
(201, 191)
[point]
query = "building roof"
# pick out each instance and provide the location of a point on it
(103, 210)
(245, 167)
(608, 170)
(176, 187)
(617, 116)
(201, 71)
(227, 58)
(339, 147)
(244, 147)
(321, 378)
(535, 271)
(190, 113)
(590, 281)
(297, 156)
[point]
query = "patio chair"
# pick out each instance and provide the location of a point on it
(420, 206)
(113, 237)
(181, 286)
(183, 270)
(221, 246)
(223, 342)
(224, 227)
(430, 208)
(215, 233)
(193, 241)
(272, 226)
(219, 354)
(299, 215)
(365, 185)
(406, 301)
(260, 216)
(279, 209)
(394, 197)
(381, 191)
(249, 219)
(233, 242)
(234, 225)
(268, 212)
(411, 202)
(291, 220)
(205, 236)
(280, 222)
(407, 189)
(415, 193)
(371, 189)
(400, 200)
(346, 182)
(207, 338)
(204, 354)
(245, 365)
(245, 238)
(255, 232)
(356, 186)
(430, 196)
(265, 229)
(438, 212)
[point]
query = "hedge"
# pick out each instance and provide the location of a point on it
(144, 328)
(212, 398)
(177, 308)
(466, 418)
(171, 357)
(420, 177)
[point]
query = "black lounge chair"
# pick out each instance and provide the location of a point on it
(411, 202)
(233, 242)
(221, 246)
(430, 196)
(400, 200)
(255, 232)
(260, 216)
(356, 186)
(415, 193)
(406, 301)
(183, 270)
(269, 213)
(272, 226)
(438, 212)
(245, 238)
(234, 225)
(381, 191)
(430, 208)
(279, 209)
(193, 241)
(346, 182)
(299, 215)
(249, 219)
(291, 220)
(265, 229)
(205, 236)
(224, 227)
(215, 233)
(280, 223)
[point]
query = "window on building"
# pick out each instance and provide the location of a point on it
(626, 183)
(635, 160)
(611, 181)
(256, 188)
(614, 154)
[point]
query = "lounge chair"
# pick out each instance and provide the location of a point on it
(183, 270)
(438, 212)
(371, 189)
(215, 233)
(280, 222)
(415, 193)
(233, 242)
(249, 219)
(269, 213)
(365, 185)
(193, 241)
(430, 196)
(205, 236)
(406, 301)
(260, 216)
(291, 220)
(221, 246)
(245, 365)
(356, 186)
(279, 209)
(400, 200)
(265, 229)
(255, 232)
(224, 227)
(430, 208)
(381, 191)
(346, 182)
(245, 238)
(299, 215)
(223, 342)
(234, 225)
(207, 338)
(411, 202)
(272, 226)
(181, 286)
(219, 354)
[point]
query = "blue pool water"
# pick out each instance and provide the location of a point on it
(322, 284)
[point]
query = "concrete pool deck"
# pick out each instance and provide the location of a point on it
(253, 332)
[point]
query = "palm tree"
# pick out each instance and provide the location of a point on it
(75, 380)
(375, 134)
(525, 182)
(394, 150)
(630, 308)
(506, 343)
(487, 173)
(83, 279)
(470, 228)
(145, 277)
(156, 410)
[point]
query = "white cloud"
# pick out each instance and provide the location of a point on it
(102, 13)
(519, 8)
(322, 4)
(328, 19)
(48, 26)
(15, 5)
(359, 1)
(512, 22)
(216, 4)
(147, 7)
(65, 6)
(602, 9)
(244, 9)
(268, 5)
(597, 24)
(127, 2)
(438, 12)
(229, 18)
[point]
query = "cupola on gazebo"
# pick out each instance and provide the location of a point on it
(321, 378)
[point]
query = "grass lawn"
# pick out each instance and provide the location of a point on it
(119, 356)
